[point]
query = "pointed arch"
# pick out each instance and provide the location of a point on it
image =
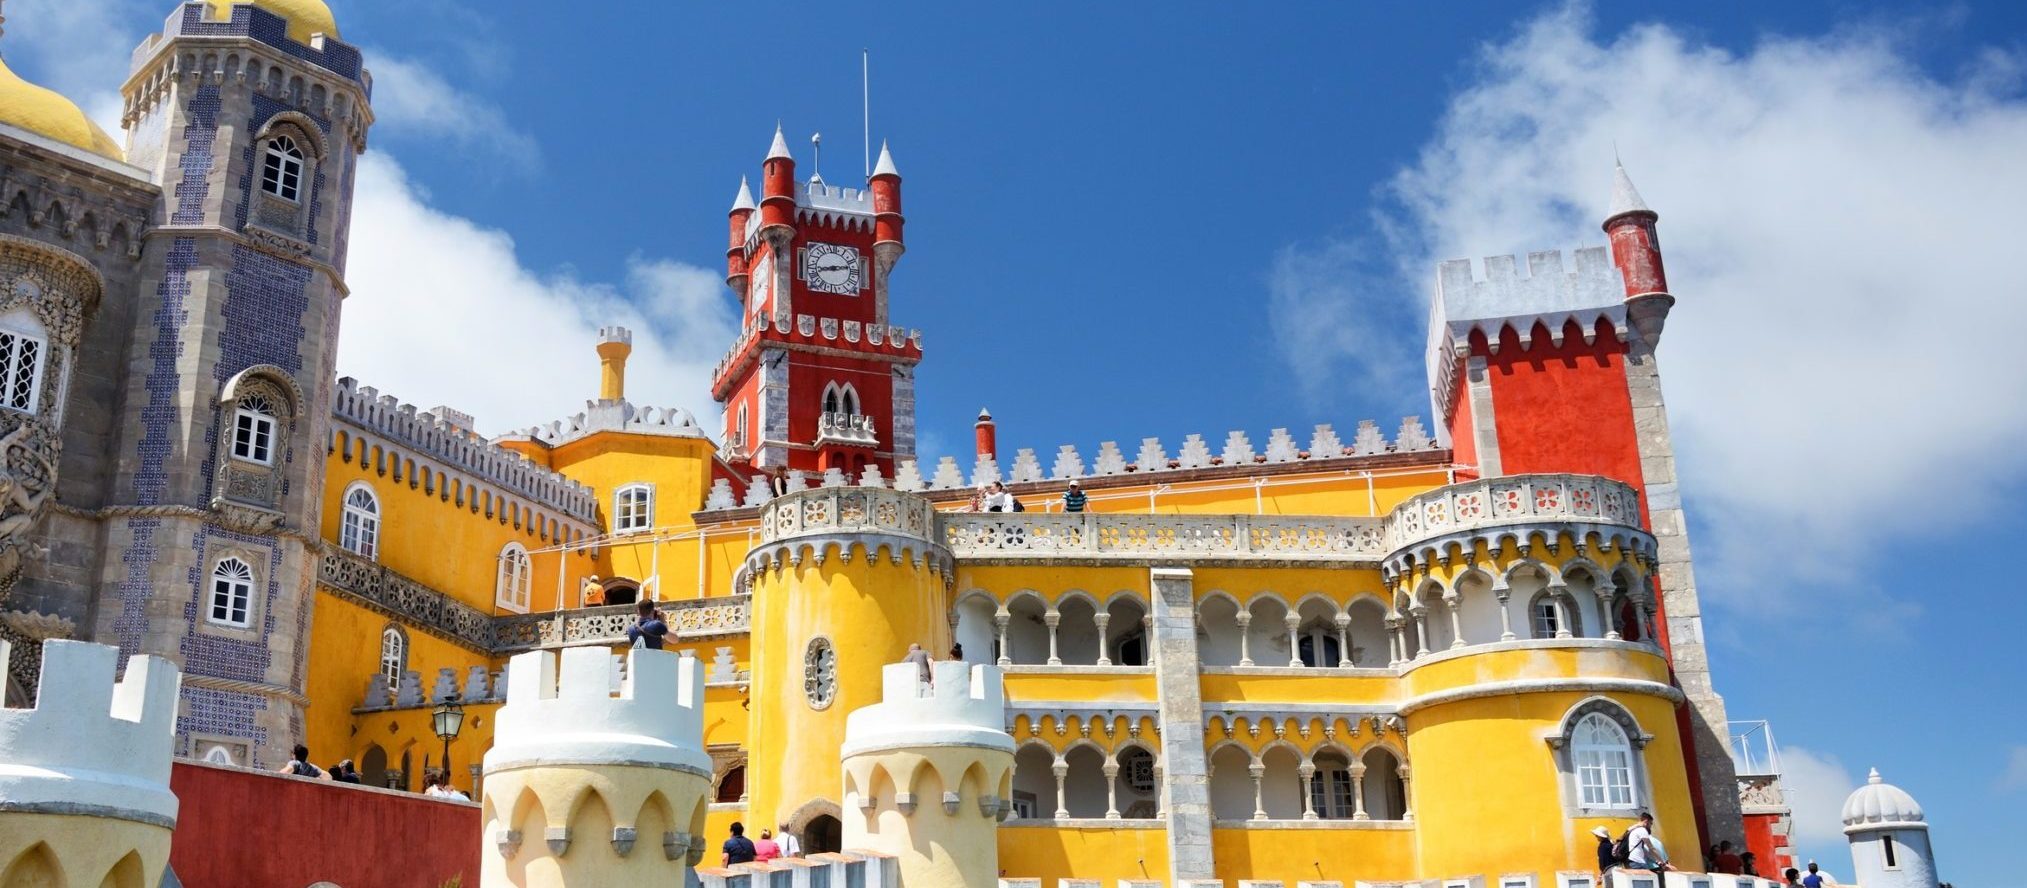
(128, 872)
(37, 865)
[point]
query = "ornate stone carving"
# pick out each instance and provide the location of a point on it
(820, 673)
(28, 457)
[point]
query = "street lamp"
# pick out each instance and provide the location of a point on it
(448, 718)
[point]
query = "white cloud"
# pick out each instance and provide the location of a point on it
(2014, 778)
(443, 312)
(412, 98)
(1838, 228)
(81, 48)
(1816, 784)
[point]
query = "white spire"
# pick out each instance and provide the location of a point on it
(886, 165)
(780, 146)
(1625, 198)
(745, 199)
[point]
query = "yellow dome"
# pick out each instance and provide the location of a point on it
(305, 17)
(46, 112)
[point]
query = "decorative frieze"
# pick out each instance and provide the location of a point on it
(416, 604)
(698, 618)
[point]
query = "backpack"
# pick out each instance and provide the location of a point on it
(1622, 850)
(304, 769)
(1018, 507)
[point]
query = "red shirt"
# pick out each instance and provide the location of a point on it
(1729, 863)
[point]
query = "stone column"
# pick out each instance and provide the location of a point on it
(1185, 769)
(1407, 793)
(1560, 596)
(1421, 612)
(1062, 770)
(1053, 618)
(1308, 791)
(1294, 621)
(1610, 603)
(1358, 791)
(1504, 593)
(1112, 789)
(1103, 620)
(1454, 603)
(1258, 771)
(1344, 641)
(1245, 620)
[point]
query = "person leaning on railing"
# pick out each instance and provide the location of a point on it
(1073, 498)
(652, 626)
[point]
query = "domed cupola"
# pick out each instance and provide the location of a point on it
(305, 17)
(1880, 805)
(46, 113)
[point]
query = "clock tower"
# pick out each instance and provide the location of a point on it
(817, 378)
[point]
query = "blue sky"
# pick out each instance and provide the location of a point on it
(1131, 221)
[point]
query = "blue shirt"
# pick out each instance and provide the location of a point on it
(650, 629)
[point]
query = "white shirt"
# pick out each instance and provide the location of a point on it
(1002, 501)
(788, 845)
(1637, 842)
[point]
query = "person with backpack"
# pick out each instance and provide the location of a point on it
(651, 627)
(1642, 850)
(739, 848)
(299, 765)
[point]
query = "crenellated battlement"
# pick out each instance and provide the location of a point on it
(964, 706)
(92, 745)
(1549, 296)
(575, 711)
(614, 416)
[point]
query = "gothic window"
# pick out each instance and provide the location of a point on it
(1316, 643)
(231, 593)
(732, 786)
(1544, 618)
(841, 398)
(633, 508)
(516, 578)
(253, 429)
(739, 434)
(820, 673)
(359, 528)
(1604, 763)
(21, 359)
(282, 173)
(1330, 790)
(393, 654)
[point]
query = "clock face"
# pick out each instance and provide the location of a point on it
(831, 268)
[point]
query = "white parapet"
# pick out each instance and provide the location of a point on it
(964, 706)
(579, 714)
(92, 746)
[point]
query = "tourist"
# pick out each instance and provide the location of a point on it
(591, 593)
(345, 773)
(1643, 850)
(1794, 876)
(998, 500)
(441, 788)
(978, 499)
(300, 766)
(765, 849)
(649, 630)
(1815, 878)
(1608, 855)
(1074, 499)
(1747, 866)
(1726, 860)
(738, 848)
(956, 651)
(925, 677)
(790, 846)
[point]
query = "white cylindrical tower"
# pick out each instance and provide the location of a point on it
(1888, 836)
(592, 780)
(926, 774)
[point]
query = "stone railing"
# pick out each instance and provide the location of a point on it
(422, 606)
(1512, 500)
(1140, 537)
(846, 428)
(693, 619)
(828, 510)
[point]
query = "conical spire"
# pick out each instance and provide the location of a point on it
(1625, 198)
(745, 199)
(780, 146)
(886, 165)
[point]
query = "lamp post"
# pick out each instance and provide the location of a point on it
(448, 718)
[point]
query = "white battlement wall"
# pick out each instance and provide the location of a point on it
(573, 712)
(91, 746)
(965, 706)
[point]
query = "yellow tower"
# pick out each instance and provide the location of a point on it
(927, 771)
(86, 775)
(845, 579)
(614, 345)
(588, 762)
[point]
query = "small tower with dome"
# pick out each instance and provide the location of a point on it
(1888, 836)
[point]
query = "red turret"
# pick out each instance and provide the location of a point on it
(886, 188)
(777, 184)
(988, 435)
(735, 254)
(1636, 250)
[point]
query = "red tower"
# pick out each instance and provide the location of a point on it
(817, 379)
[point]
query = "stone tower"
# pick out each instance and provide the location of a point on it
(817, 379)
(250, 115)
(927, 774)
(1888, 836)
(86, 778)
(592, 781)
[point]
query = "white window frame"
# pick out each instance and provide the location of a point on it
(393, 654)
(254, 428)
(1324, 798)
(359, 525)
(232, 587)
(1543, 619)
(12, 373)
(513, 586)
(282, 169)
(847, 399)
(1590, 757)
(633, 508)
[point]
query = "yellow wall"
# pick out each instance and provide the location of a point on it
(344, 654)
(680, 470)
(1107, 853)
(1338, 852)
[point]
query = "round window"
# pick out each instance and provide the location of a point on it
(820, 673)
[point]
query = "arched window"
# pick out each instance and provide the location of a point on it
(739, 433)
(393, 654)
(231, 593)
(732, 786)
(841, 398)
(359, 529)
(1330, 793)
(633, 508)
(253, 425)
(1603, 758)
(516, 578)
(21, 362)
(282, 173)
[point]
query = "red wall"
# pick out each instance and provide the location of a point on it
(248, 829)
(1563, 409)
(1761, 840)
